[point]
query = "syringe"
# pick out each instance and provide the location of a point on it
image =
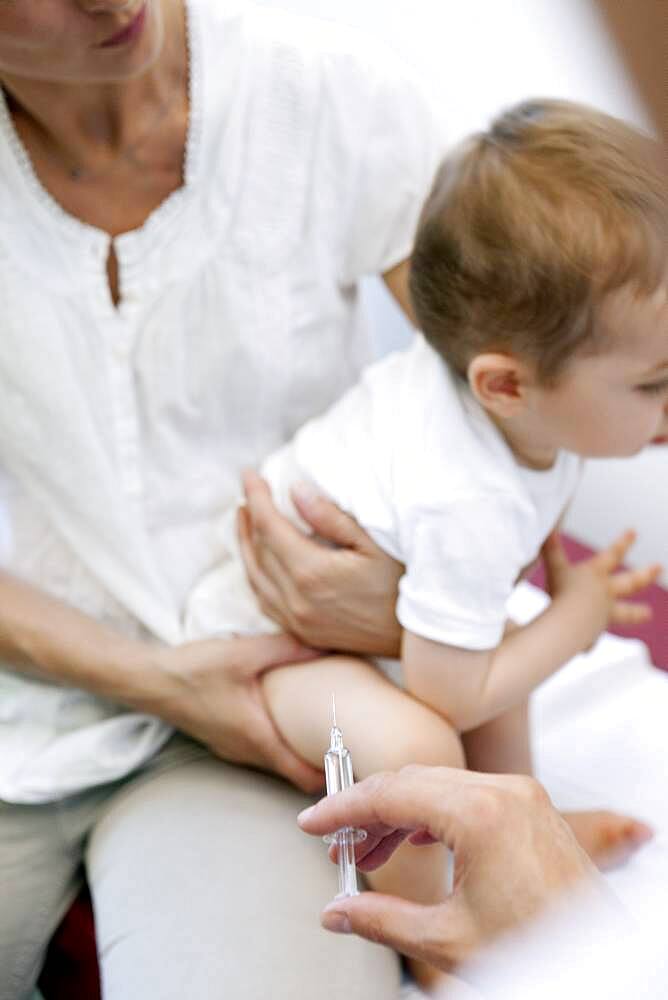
(339, 775)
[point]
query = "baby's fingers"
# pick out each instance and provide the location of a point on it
(630, 581)
(611, 557)
(629, 613)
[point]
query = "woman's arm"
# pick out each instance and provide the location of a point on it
(396, 280)
(641, 31)
(471, 687)
(209, 689)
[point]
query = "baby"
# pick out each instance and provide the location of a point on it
(539, 281)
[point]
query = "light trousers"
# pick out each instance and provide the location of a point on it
(203, 887)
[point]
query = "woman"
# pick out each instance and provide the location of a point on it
(188, 198)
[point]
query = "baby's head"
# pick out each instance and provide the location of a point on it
(540, 273)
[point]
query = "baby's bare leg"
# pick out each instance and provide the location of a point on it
(384, 728)
(502, 745)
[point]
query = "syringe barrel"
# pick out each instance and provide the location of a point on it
(338, 770)
(339, 776)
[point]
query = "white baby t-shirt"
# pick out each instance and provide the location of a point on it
(415, 459)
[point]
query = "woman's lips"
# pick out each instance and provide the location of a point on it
(660, 440)
(128, 33)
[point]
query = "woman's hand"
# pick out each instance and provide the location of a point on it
(331, 598)
(211, 690)
(513, 855)
(599, 583)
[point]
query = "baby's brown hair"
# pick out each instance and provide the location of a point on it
(526, 229)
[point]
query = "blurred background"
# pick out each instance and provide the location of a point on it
(475, 58)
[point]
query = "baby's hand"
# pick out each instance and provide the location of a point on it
(596, 581)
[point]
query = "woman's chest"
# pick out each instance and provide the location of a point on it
(206, 354)
(114, 189)
(114, 192)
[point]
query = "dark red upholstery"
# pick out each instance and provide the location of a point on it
(71, 970)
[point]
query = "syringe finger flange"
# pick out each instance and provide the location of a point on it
(357, 835)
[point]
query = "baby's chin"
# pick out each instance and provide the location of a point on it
(628, 452)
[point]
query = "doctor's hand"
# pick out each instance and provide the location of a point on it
(211, 689)
(340, 597)
(513, 855)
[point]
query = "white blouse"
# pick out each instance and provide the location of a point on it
(122, 430)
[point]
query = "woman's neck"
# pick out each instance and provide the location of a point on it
(97, 120)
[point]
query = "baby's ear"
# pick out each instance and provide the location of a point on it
(499, 382)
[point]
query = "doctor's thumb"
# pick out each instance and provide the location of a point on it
(415, 930)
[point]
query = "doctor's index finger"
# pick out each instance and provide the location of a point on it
(415, 798)
(459, 808)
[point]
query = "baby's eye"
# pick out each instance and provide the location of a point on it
(654, 388)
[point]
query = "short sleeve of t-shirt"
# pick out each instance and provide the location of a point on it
(461, 566)
(400, 151)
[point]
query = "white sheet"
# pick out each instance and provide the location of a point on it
(600, 731)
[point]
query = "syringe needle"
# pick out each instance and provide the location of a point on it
(333, 711)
